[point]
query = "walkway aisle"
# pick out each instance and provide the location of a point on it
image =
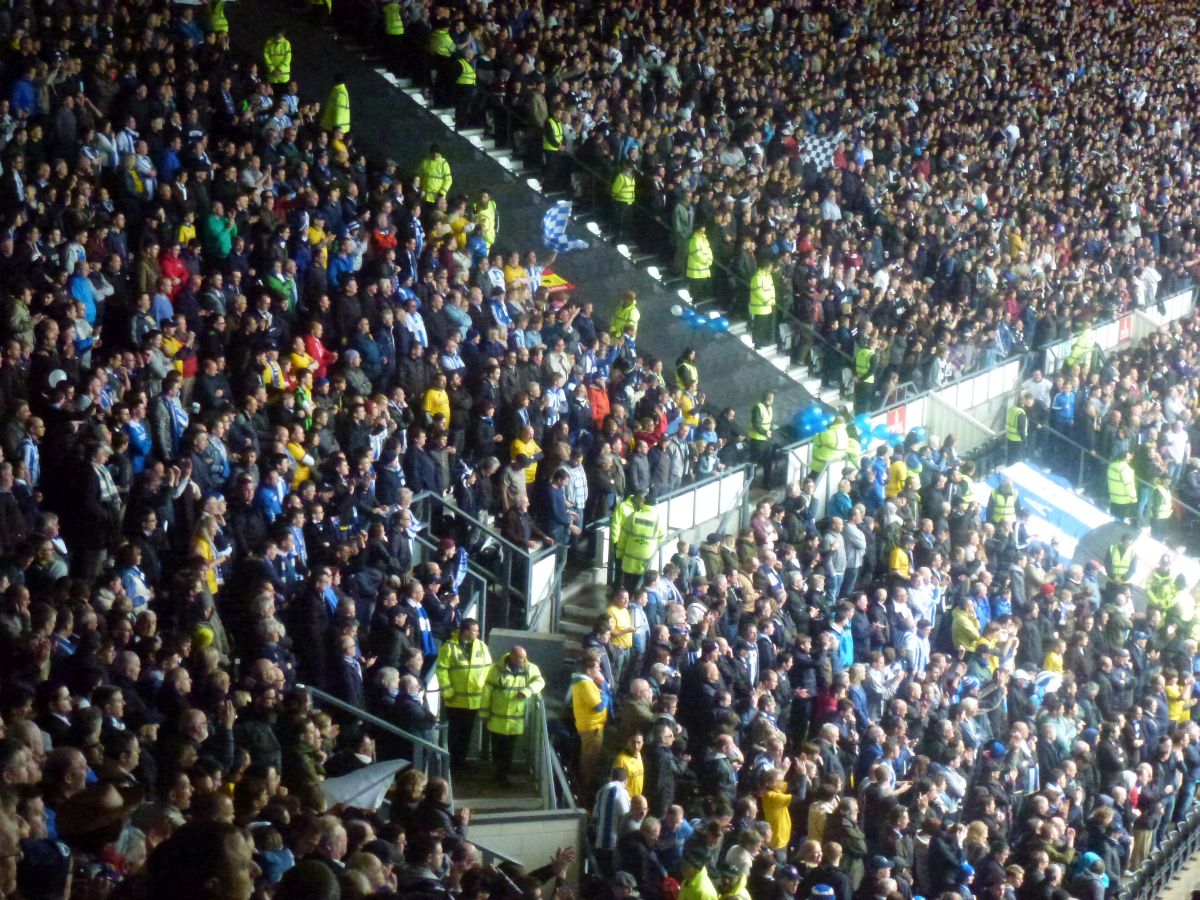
(389, 124)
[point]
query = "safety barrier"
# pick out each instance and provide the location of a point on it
(723, 496)
(983, 396)
(530, 580)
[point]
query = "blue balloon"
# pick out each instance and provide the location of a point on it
(880, 432)
(862, 424)
(919, 434)
(720, 324)
(693, 318)
(895, 439)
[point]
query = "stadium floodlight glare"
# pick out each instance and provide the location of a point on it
(654, 273)
(623, 249)
(534, 183)
(685, 295)
(594, 228)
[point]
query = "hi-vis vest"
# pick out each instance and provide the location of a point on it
(1119, 564)
(700, 257)
(1004, 507)
(762, 293)
(1161, 502)
(1161, 590)
(1122, 485)
(1014, 427)
(461, 674)
(552, 135)
(863, 357)
(624, 189)
(765, 415)
(393, 19)
(467, 75)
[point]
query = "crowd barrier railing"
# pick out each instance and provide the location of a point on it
(984, 395)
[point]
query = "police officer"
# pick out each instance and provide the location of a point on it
(642, 532)
(462, 666)
(511, 682)
(434, 172)
(277, 54)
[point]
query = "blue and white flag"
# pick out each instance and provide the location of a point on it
(554, 229)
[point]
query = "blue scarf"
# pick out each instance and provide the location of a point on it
(179, 421)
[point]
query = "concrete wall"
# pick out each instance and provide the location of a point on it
(531, 838)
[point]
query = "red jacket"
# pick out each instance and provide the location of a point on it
(316, 349)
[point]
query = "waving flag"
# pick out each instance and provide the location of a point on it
(554, 229)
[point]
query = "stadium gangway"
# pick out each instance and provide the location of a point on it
(555, 785)
(530, 579)
(429, 757)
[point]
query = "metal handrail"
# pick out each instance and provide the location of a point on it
(371, 719)
(488, 529)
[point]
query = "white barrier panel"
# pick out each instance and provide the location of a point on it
(798, 459)
(541, 586)
(1174, 307)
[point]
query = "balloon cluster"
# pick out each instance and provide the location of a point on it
(881, 432)
(811, 421)
(691, 318)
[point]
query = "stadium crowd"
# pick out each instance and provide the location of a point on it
(235, 350)
(931, 185)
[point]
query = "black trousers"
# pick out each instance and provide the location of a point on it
(460, 722)
(504, 746)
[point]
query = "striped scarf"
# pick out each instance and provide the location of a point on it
(108, 487)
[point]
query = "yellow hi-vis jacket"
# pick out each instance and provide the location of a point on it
(461, 672)
(501, 707)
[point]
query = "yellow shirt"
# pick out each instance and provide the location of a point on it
(171, 346)
(187, 234)
(301, 361)
(634, 768)
(206, 551)
(458, 227)
(303, 472)
(316, 238)
(585, 697)
(437, 402)
(897, 476)
(1177, 705)
(1053, 662)
(513, 274)
(777, 813)
(530, 449)
(900, 563)
(621, 620)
